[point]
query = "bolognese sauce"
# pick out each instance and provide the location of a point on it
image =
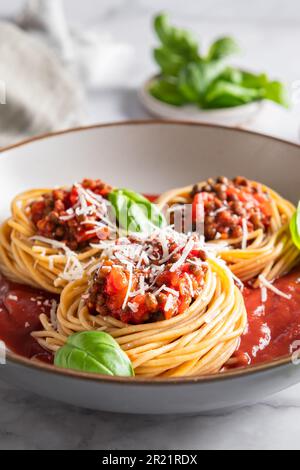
(231, 207)
(75, 216)
(20, 308)
(149, 281)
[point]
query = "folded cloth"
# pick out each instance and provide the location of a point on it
(46, 67)
(38, 95)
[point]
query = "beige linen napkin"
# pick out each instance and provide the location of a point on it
(37, 94)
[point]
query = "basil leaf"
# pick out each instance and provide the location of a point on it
(232, 75)
(188, 77)
(252, 80)
(94, 351)
(276, 91)
(195, 79)
(224, 95)
(134, 212)
(177, 40)
(222, 48)
(295, 227)
(169, 62)
(167, 90)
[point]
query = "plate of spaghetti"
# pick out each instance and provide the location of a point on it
(140, 272)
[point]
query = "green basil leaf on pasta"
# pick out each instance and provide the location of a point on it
(134, 212)
(295, 227)
(94, 351)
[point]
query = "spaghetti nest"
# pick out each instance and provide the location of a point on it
(266, 249)
(200, 340)
(31, 256)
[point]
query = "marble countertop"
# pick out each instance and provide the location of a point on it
(31, 422)
(270, 35)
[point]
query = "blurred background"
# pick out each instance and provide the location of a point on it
(103, 52)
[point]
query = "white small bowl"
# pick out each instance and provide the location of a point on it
(235, 116)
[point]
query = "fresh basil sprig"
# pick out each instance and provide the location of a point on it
(186, 76)
(194, 80)
(295, 227)
(222, 94)
(175, 40)
(94, 351)
(166, 89)
(222, 48)
(134, 212)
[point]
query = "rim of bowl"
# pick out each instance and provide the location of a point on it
(246, 371)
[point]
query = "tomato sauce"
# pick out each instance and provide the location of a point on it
(151, 197)
(20, 307)
(272, 328)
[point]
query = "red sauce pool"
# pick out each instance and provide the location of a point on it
(272, 327)
(151, 197)
(20, 307)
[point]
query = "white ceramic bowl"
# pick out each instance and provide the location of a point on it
(149, 157)
(235, 116)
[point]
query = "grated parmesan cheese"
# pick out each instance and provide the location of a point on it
(133, 306)
(188, 278)
(169, 303)
(184, 255)
(142, 284)
(268, 285)
(13, 297)
(73, 269)
(264, 294)
(130, 269)
(245, 234)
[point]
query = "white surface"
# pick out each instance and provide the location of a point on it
(270, 35)
(91, 56)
